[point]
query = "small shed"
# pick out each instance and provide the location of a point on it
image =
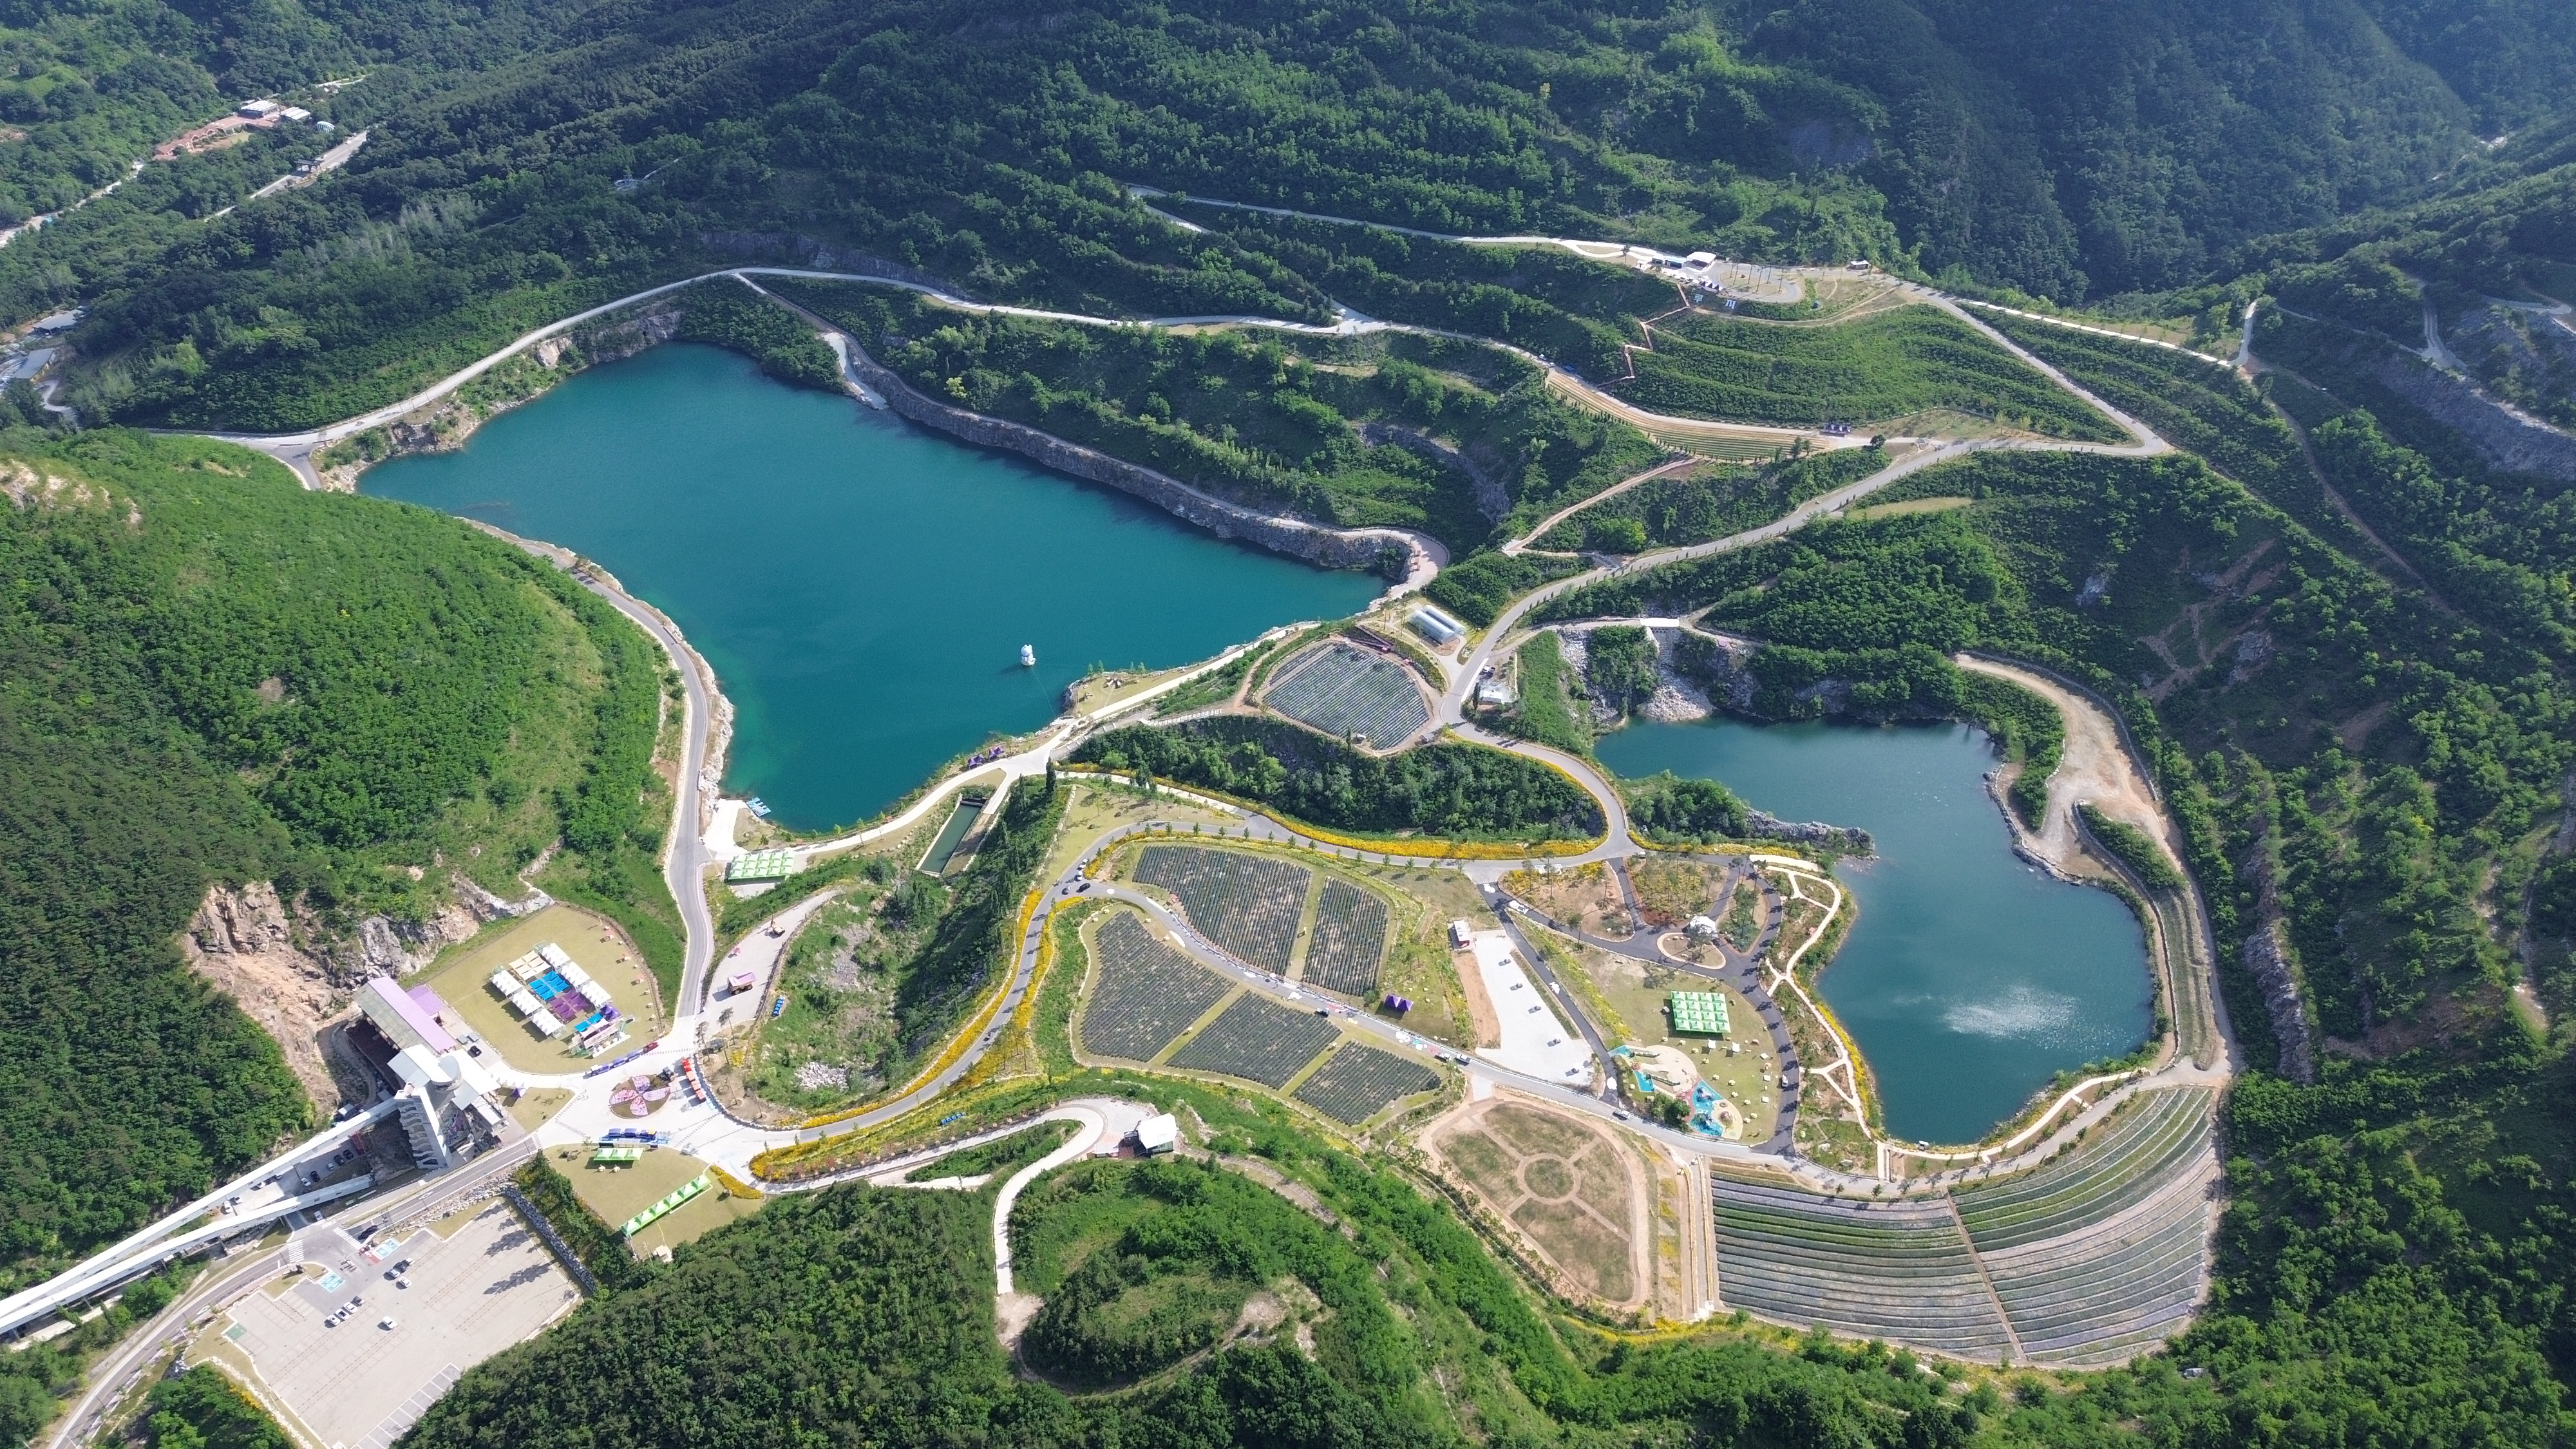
(1158, 1134)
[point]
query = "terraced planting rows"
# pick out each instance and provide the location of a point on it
(1147, 993)
(1872, 368)
(1348, 692)
(2118, 1165)
(1355, 1083)
(1349, 941)
(1258, 1040)
(2099, 1255)
(1247, 904)
(1900, 1270)
(2088, 1260)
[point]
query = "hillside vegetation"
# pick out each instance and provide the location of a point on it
(1709, 502)
(1415, 1331)
(1990, 143)
(1456, 440)
(1867, 370)
(209, 675)
(1444, 789)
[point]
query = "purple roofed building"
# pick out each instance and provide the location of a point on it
(407, 1018)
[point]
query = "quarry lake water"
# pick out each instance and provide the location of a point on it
(1970, 977)
(861, 585)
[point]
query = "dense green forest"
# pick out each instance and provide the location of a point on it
(1710, 501)
(2004, 144)
(1445, 789)
(213, 676)
(201, 1409)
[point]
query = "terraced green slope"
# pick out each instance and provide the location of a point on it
(1869, 370)
(2091, 1259)
(1900, 1271)
(2101, 1254)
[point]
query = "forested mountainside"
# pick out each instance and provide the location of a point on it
(210, 676)
(2343, 624)
(2058, 151)
(92, 88)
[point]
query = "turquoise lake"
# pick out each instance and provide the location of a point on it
(1970, 978)
(861, 585)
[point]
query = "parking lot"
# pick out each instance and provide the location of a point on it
(485, 1285)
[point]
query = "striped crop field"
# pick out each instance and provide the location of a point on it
(1147, 992)
(2088, 1260)
(1897, 1270)
(1350, 939)
(1349, 692)
(1356, 1082)
(1258, 1040)
(1246, 903)
(2101, 1254)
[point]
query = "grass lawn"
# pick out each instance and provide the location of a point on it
(619, 1193)
(1418, 965)
(1636, 991)
(1560, 1181)
(536, 1108)
(462, 977)
(1093, 812)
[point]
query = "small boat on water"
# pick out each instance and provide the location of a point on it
(1029, 656)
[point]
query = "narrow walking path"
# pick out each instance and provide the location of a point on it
(1012, 1309)
(1660, 470)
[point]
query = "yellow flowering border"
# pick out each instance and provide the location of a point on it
(733, 1184)
(957, 1044)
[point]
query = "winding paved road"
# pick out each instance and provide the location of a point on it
(688, 852)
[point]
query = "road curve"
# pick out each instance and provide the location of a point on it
(1090, 1126)
(684, 856)
(1453, 704)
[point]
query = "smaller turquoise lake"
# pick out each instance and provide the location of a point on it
(861, 585)
(1970, 977)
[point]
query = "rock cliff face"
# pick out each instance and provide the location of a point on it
(1849, 839)
(1330, 547)
(447, 423)
(2510, 438)
(295, 979)
(2267, 956)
